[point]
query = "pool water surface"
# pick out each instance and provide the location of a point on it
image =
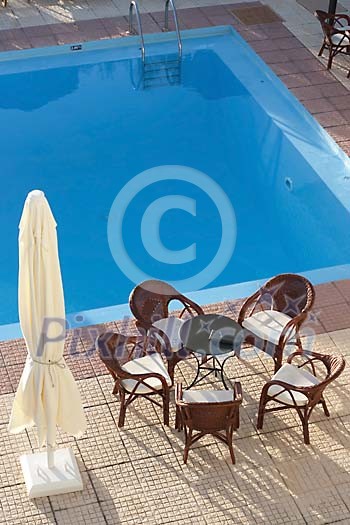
(80, 126)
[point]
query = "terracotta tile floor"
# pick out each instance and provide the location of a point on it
(135, 475)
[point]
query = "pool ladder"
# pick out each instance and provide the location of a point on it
(162, 72)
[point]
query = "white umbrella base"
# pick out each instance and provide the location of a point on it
(43, 481)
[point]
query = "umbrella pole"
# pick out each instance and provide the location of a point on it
(50, 456)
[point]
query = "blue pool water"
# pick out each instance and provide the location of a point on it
(79, 126)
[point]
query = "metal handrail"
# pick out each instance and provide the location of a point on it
(166, 23)
(134, 5)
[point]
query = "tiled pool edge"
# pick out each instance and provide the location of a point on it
(331, 313)
(211, 296)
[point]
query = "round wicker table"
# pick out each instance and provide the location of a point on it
(215, 336)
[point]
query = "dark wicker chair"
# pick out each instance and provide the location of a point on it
(203, 412)
(136, 370)
(149, 303)
(335, 40)
(272, 317)
(294, 387)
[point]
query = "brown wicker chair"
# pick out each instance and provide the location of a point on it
(294, 387)
(272, 316)
(203, 412)
(335, 40)
(136, 370)
(149, 303)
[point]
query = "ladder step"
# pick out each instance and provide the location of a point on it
(162, 67)
(161, 73)
(163, 59)
(169, 78)
(160, 84)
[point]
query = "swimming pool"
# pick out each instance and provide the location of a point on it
(80, 126)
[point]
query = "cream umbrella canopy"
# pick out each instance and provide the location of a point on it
(47, 395)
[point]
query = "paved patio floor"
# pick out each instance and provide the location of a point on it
(135, 475)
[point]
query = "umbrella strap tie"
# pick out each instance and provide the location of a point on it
(50, 363)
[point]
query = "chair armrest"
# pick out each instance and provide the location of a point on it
(142, 326)
(295, 354)
(341, 16)
(190, 305)
(289, 388)
(142, 377)
(162, 339)
(293, 323)
(309, 357)
(246, 305)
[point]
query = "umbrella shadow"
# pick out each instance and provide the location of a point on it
(105, 498)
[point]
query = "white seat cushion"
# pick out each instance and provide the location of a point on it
(171, 327)
(341, 28)
(294, 376)
(144, 365)
(268, 325)
(340, 39)
(207, 396)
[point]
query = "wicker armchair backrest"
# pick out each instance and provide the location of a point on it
(117, 349)
(209, 417)
(149, 301)
(288, 293)
(326, 22)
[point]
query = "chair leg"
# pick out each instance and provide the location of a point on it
(261, 413)
(236, 420)
(171, 370)
(277, 357)
(230, 446)
(330, 59)
(166, 408)
(306, 432)
(188, 439)
(178, 422)
(186, 451)
(321, 50)
(122, 412)
(325, 408)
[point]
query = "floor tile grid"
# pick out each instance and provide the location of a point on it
(60, 513)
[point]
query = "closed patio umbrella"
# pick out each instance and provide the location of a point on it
(47, 395)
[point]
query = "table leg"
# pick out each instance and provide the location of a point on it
(222, 369)
(200, 367)
(197, 373)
